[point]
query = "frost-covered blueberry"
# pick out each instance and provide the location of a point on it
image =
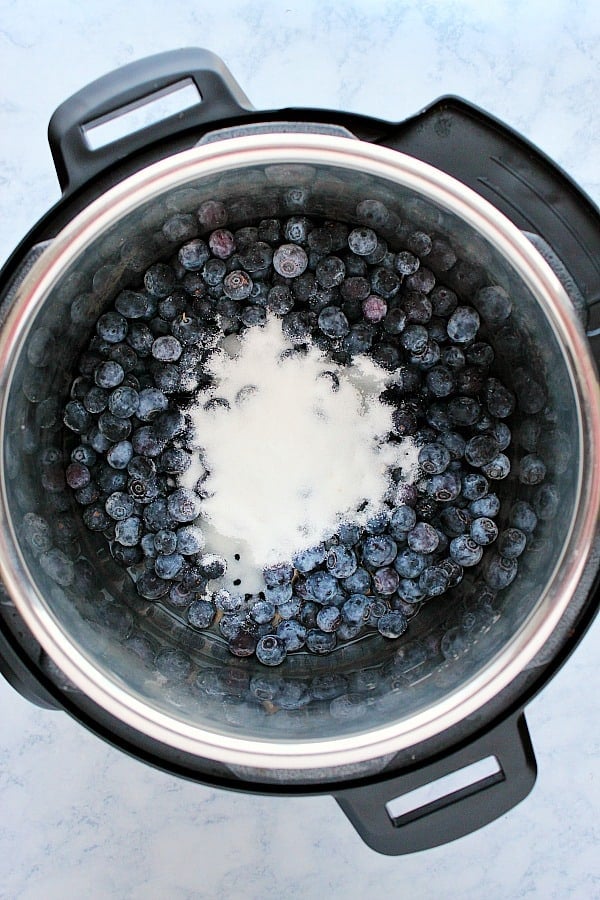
(271, 650)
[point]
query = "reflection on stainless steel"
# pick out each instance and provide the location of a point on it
(456, 660)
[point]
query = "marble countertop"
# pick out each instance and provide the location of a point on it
(78, 818)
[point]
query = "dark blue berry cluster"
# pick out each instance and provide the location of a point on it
(346, 290)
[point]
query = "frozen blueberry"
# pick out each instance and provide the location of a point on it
(474, 486)
(201, 613)
(211, 564)
(112, 327)
(423, 538)
(356, 609)
(168, 565)
(483, 530)
(175, 665)
(392, 624)
(193, 255)
(237, 285)
(511, 543)
(292, 633)
(493, 303)
(500, 401)
(329, 618)
(271, 650)
(109, 374)
(532, 469)
(159, 280)
(385, 581)
(180, 227)
(184, 505)
(296, 229)
(212, 214)
(357, 583)
(321, 586)
(309, 559)
(333, 322)
(320, 642)
(362, 241)
(262, 611)
(498, 468)
(465, 551)
(434, 458)
(523, 516)
(379, 550)
(341, 561)
(128, 531)
(499, 571)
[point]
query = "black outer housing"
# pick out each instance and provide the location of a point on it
(537, 196)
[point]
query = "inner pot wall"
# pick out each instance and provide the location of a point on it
(452, 646)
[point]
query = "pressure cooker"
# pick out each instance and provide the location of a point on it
(391, 718)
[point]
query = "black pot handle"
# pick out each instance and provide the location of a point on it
(220, 97)
(380, 812)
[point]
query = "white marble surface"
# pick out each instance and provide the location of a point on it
(78, 818)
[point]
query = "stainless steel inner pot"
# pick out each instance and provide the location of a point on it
(459, 653)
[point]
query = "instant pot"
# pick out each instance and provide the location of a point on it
(379, 719)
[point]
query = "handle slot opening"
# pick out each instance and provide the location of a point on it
(147, 111)
(444, 791)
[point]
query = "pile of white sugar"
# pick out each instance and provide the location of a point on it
(300, 448)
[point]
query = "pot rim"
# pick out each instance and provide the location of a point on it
(266, 149)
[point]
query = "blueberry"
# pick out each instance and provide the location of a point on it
(309, 559)
(546, 501)
(374, 308)
(532, 469)
(433, 581)
(292, 633)
(166, 348)
(409, 591)
(385, 581)
(440, 380)
(168, 565)
(362, 241)
(392, 624)
(403, 520)
(237, 285)
(511, 543)
(493, 303)
(119, 506)
(211, 565)
(410, 563)
(498, 468)
(483, 530)
(444, 487)
(277, 575)
(320, 642)
(474, 486)
(500, 401)
(486, 506)
(189, 540)
(183, 505)
(434, 458)
(175, 665)
(341, 561)
(355, 610)
(109, 374)
(112, 327)
(180, 227)
(296, 229)
(262, 611)
(201, 613)
(243, 643)
(280, 300)
(140, 338)
(124, 402)
(212, 214)
(406, 263)
(481, 449)
(359, 339)
(128, 531)
(423, 538)
(330, 271)
(379, 550)
(159, 280)
(151, 587)
(384, 282)
(119, 455)
(357, 583)
(77, 475)
(165, 541)
(193, 255)
(395, 321)
(499, 571)
(523, 516)
(321, 586)
(253, 315)
(414, 338)
(329, 618)
(271, 650)
(465, 551)
(348, 534)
